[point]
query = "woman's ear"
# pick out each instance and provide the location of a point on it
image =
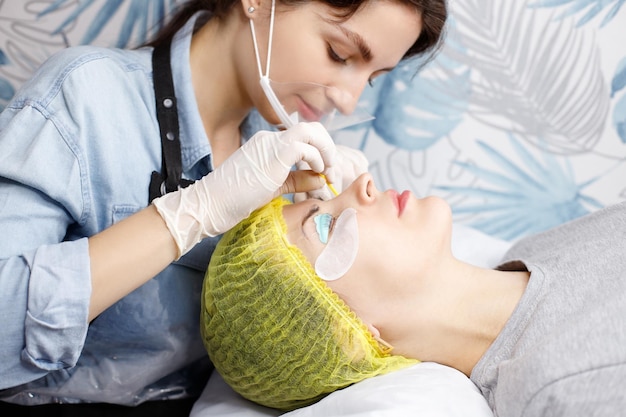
(250, 7)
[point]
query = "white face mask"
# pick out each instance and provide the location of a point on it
(326, 98)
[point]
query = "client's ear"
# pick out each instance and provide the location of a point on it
(373, 330)
(376, 333)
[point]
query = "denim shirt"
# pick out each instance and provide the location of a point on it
(78, 144)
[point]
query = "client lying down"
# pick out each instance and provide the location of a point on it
(303, 299)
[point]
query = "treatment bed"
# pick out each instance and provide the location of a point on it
(425, 389)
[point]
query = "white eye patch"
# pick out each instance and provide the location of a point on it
(341, 249)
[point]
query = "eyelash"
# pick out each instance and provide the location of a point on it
(335, 57)
(316, 209)
(331, 226)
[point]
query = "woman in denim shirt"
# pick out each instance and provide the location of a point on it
(100, 288)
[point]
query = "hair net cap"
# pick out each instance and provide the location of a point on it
(273, 329)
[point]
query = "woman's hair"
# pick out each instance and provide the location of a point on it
(434, 14)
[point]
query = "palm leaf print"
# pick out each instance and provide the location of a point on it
(588, 8)
(619, 110)
(521, 198)
(141, 18)
(535, 77)
(6, 89)
(417, 109)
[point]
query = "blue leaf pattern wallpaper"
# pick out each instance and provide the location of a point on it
(519, 122)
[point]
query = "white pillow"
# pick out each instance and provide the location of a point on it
(425, 389)
(477, 248)
(219, 399)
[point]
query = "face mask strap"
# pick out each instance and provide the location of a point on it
(287, 120)
(269, 44)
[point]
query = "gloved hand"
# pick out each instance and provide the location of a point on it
(251, 177)
(349, 164)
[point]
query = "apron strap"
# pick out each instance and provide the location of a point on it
(169, 179)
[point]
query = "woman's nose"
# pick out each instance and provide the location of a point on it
(345, 95)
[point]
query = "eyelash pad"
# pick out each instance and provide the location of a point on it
(340, 252)
(322, 225)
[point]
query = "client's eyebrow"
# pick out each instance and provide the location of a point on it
(314, 209)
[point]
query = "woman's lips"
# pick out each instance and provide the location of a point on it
(308, 112)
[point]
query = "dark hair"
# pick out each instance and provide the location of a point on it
(434, 15)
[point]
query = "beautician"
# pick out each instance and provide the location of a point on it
(105, 234)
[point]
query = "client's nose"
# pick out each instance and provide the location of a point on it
(365, 189)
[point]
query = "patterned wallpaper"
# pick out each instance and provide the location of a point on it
(520, 122)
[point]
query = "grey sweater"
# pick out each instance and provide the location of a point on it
(563, 350)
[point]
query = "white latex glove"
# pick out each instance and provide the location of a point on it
(349, 164)
(248, 179)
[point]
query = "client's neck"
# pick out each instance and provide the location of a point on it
(469, 308)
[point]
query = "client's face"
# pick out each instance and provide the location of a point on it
(399, 236)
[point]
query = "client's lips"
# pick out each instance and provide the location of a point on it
(402, 200)
(395, 199)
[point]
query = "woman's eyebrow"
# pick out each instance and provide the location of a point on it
(360, 43)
